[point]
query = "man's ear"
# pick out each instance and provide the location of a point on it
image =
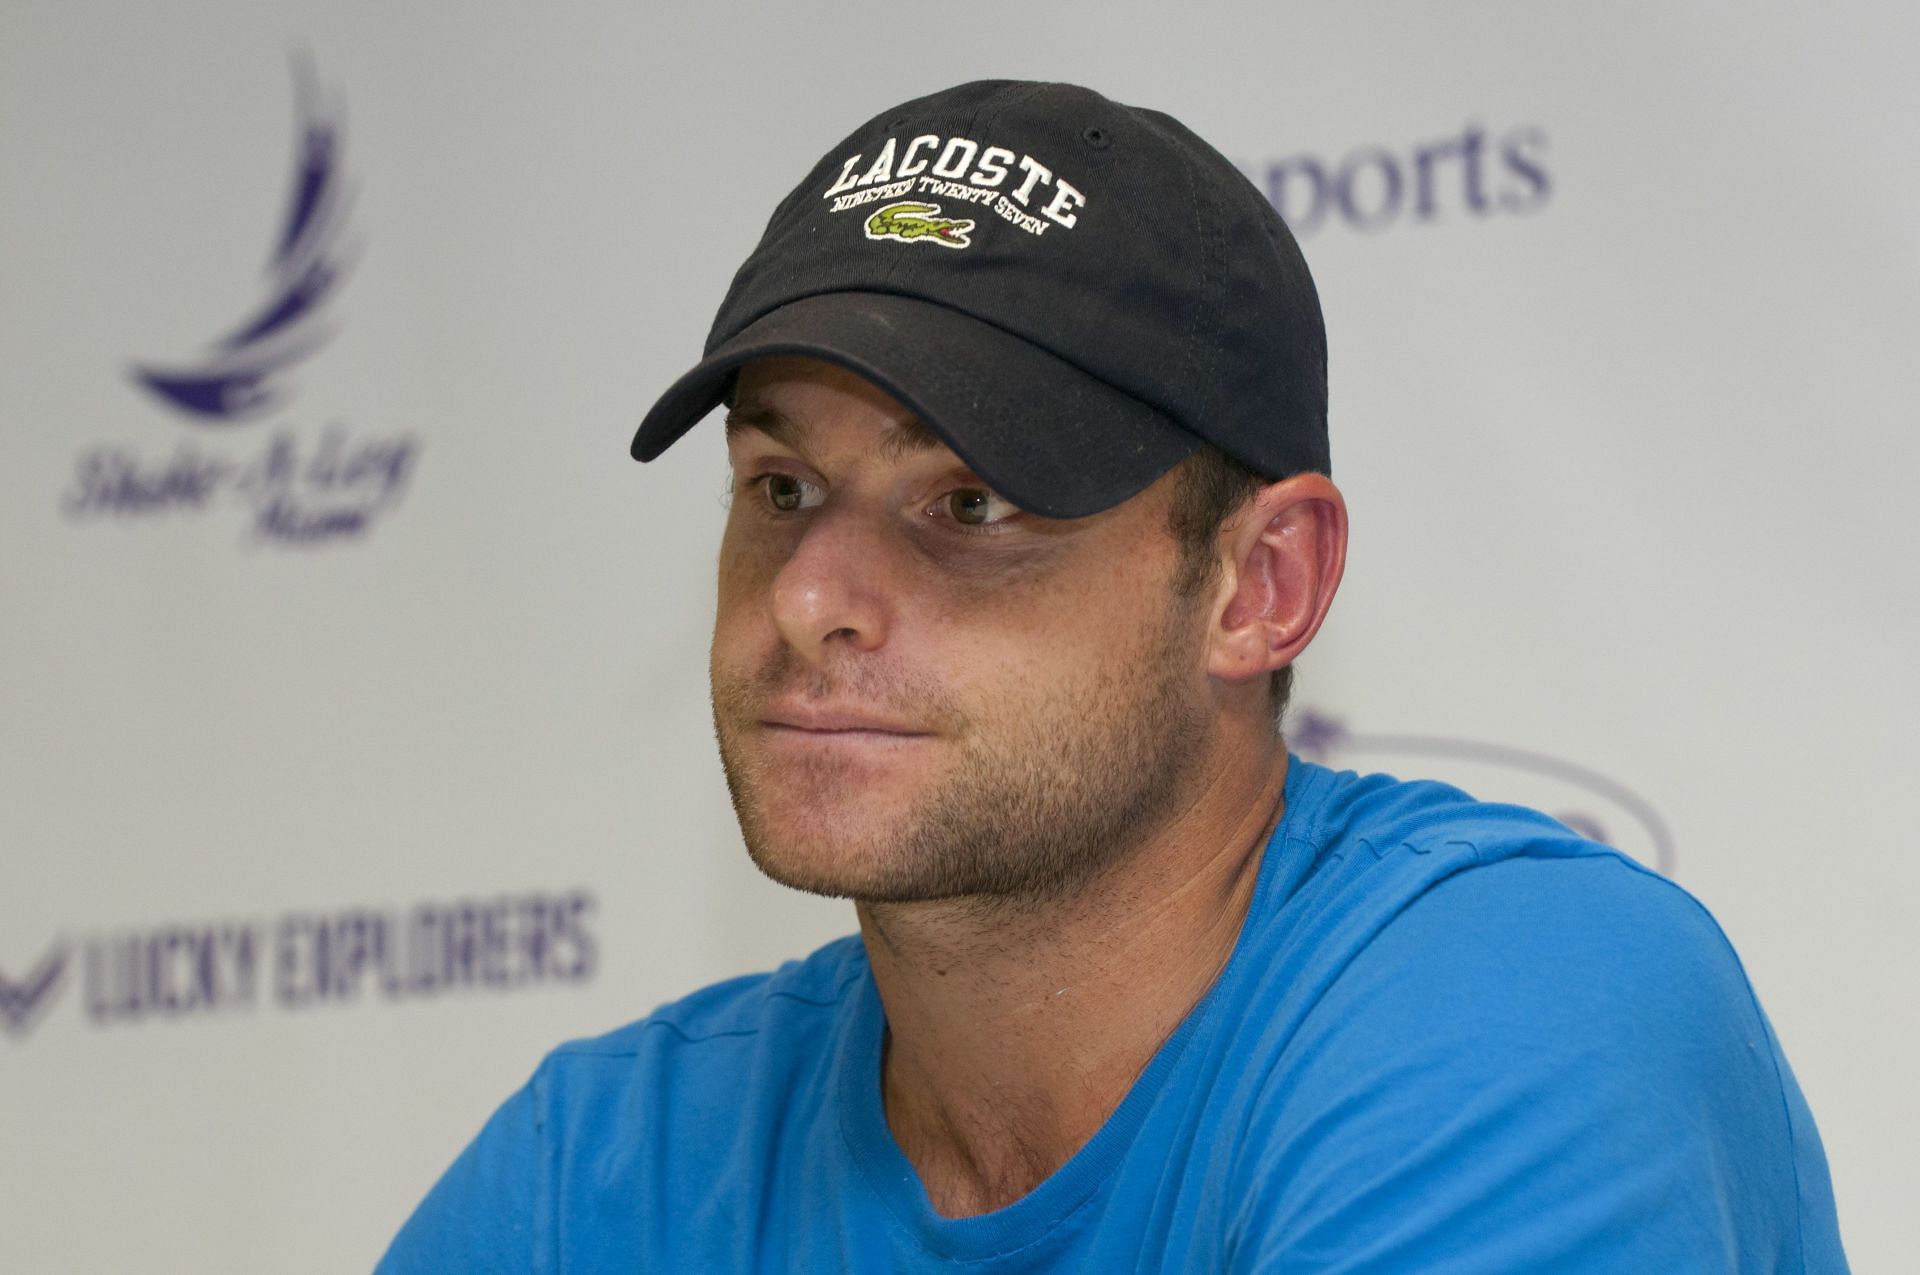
(1282, 556)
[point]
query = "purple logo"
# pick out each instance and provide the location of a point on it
(304, 484)
(21, 1003)
(240, 377)
(1593, 805)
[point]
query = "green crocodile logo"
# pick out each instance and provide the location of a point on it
(919, 223)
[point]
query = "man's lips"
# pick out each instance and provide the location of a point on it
(828, 721)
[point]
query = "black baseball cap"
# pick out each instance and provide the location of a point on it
(1073, 294)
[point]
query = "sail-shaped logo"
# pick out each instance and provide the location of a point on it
(242, 374)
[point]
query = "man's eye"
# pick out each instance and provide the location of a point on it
(977, 507)
(789, 494)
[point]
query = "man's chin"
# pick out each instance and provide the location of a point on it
(838, 844)
(828, 872)
(866, 856)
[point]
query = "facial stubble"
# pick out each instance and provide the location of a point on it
(1045, 789)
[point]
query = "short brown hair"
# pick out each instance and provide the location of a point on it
(1210, 488)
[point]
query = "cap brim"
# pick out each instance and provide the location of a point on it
(1038, 430)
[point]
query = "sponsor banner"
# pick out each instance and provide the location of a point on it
(309, 960)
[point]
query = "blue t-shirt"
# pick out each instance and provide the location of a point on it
(1452, 1037)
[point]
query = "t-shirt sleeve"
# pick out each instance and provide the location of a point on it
(480, 1216)
(1539, 1064)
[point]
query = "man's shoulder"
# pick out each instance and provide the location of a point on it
(1382, 813)
(1354, 851)
(1420, 882)
(751, 1006)
(1474, 1014)
(609, 1125)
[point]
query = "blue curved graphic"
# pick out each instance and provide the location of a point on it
(1316, 735)
(239, 378)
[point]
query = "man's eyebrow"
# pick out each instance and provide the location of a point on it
(773, 423)
(909, 436)
(906, 436)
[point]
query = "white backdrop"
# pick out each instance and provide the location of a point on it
(355, 751)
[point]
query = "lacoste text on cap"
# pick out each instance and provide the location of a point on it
(1072, 293)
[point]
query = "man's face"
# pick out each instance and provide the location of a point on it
(921, 692)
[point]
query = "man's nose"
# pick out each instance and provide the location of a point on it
(833, 591)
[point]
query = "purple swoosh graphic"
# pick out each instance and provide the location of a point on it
(313, 174)
(239, 378)
(288, 306)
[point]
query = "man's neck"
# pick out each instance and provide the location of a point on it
(1013, 1033)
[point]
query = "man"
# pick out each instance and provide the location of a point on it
(1031, 517)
